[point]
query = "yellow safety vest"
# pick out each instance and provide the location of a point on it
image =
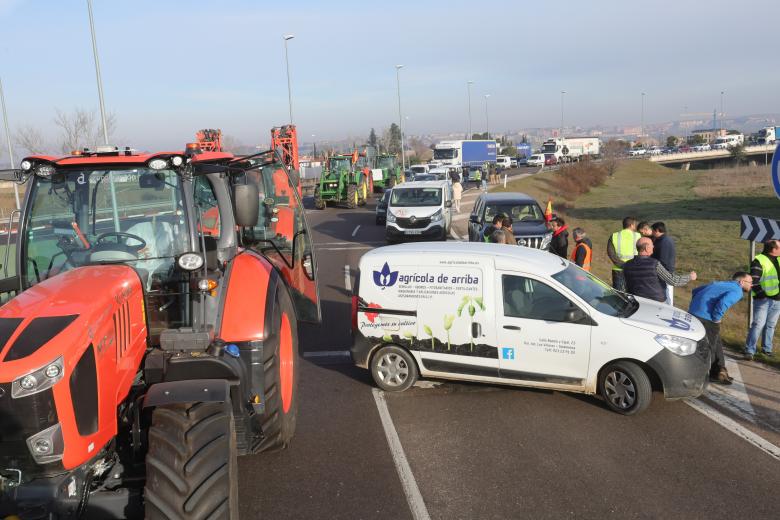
(624, 242)
(769, 282)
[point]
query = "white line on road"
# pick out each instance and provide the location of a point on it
(327, 354)
(347, 279)
(356, 230)
(413, 496)
(733, 397)
(735, 428)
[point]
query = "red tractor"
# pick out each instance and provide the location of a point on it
(139, 356)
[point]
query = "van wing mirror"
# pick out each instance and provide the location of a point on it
(448, 204)
(576, 315)
(246, 199)
(474, 219)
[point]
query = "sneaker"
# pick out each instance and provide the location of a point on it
(748, 356)
(722, 377)
(769, 354)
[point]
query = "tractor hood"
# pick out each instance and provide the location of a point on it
(63, 315)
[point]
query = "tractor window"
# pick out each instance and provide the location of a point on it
(206, 205)
(385, 162)
(282, 236)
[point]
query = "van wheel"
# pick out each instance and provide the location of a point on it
(625, 388)
(393, 369)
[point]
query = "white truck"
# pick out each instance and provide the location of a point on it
(727, 141)
(570, 149)
(768, 135)
(518, 316)
(465, 153)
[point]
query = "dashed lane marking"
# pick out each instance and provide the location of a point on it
(356, 230)
(413, 496)
(347, 278)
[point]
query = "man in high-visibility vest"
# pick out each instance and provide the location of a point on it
(583, 249)
(621, 248)
(766, 299)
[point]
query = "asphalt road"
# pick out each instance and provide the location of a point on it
(482, 451)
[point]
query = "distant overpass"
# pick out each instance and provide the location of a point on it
(758, 153)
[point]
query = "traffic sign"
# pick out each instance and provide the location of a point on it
(757, 229)
(776, 170)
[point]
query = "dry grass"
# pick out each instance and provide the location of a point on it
(728, 181)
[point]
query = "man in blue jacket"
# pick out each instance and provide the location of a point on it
(709, 303)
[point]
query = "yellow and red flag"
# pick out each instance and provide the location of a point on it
(548, 213)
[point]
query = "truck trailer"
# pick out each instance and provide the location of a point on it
(465, 153)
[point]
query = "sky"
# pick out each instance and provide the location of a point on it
(172, 67)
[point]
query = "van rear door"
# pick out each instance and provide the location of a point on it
(543, 337)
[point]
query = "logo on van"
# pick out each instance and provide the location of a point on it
(678, 324)
(385, 277)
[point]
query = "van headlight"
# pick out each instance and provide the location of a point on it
(38, 380)
(678, 345)
(436, 217)
(546, 241)
(390, 217)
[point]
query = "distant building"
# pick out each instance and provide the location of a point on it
(708, 135)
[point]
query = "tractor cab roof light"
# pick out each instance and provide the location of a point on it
(158, 164)
(106, 148)
(26, 165)
(45, 170)
(192, 148)
(177, 160)
(190, 261)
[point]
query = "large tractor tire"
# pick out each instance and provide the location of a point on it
(362, 192)
(318, 202)
(191, 469)
(280, 362)
(352, 196)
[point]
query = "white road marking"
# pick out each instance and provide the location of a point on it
(413, 496)
(327, 354)
(733, 397)
(347, 279)
(356, 230)
(735, 428)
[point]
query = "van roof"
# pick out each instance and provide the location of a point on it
(505, 256)
(421, 184)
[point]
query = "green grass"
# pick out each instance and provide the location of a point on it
(701, 210)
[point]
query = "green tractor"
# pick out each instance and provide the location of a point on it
(341, 183)
(392, 173)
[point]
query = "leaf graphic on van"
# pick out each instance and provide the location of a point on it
(385, 277)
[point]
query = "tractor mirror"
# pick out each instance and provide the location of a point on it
(151, 180)
(246, 199)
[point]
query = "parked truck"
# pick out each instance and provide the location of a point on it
(768, 135)
(524, 151)
(572, 149)
(465, 153)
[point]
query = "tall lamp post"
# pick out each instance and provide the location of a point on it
(97, 72)
(400, 117)
(721, 111)
(288, 37)
(487, 116)
(563, 92)
(642, 121)
(8, 139)
(468, 88)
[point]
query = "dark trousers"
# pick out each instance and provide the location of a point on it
(618, 280)
(712, 330)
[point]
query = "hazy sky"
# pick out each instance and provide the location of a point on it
(171, 67)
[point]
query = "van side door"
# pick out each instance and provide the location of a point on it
(543, 336)
(475, 226)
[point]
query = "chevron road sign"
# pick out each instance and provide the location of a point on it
(757, 229)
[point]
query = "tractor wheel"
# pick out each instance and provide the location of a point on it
(362, 193)
(352, 196)
(318, 202)
(391, 182)
(280, 361)
(191, 469)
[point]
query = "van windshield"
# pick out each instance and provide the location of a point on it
(414, 197)
(595, 292)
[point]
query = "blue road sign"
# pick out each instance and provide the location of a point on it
(776, 170)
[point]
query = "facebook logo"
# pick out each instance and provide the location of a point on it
(507, 353)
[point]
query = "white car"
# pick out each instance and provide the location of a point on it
(702, 148)
(637, 152)
(503, 162)
(655, 150)
(518, 316)
(536, 160)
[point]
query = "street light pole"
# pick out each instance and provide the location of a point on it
(468, 87)
(400, 118)
(721, 111)
(561, 132)
(287, 38)
(8, 139)
(97, 72)
(642, 124)
(487, 118)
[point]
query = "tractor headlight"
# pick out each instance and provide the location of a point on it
(44, 170)
(390, 217)
(158, 164)
(26, 165)
(47, 446)
(678, 345)
(177, 160)
(38, 380)
(190, 261)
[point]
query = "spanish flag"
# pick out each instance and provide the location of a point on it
(548, 213)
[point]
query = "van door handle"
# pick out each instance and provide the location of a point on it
(512, 327)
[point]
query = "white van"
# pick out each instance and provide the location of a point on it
(503, 162)
(419, 209)
(536, 160)
(518, 316)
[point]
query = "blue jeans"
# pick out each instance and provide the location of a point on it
(765, 314)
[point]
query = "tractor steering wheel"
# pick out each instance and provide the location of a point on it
(120, 234)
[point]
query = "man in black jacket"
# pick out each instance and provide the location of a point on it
(665, 252)
(647, 277)
(560, 239)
